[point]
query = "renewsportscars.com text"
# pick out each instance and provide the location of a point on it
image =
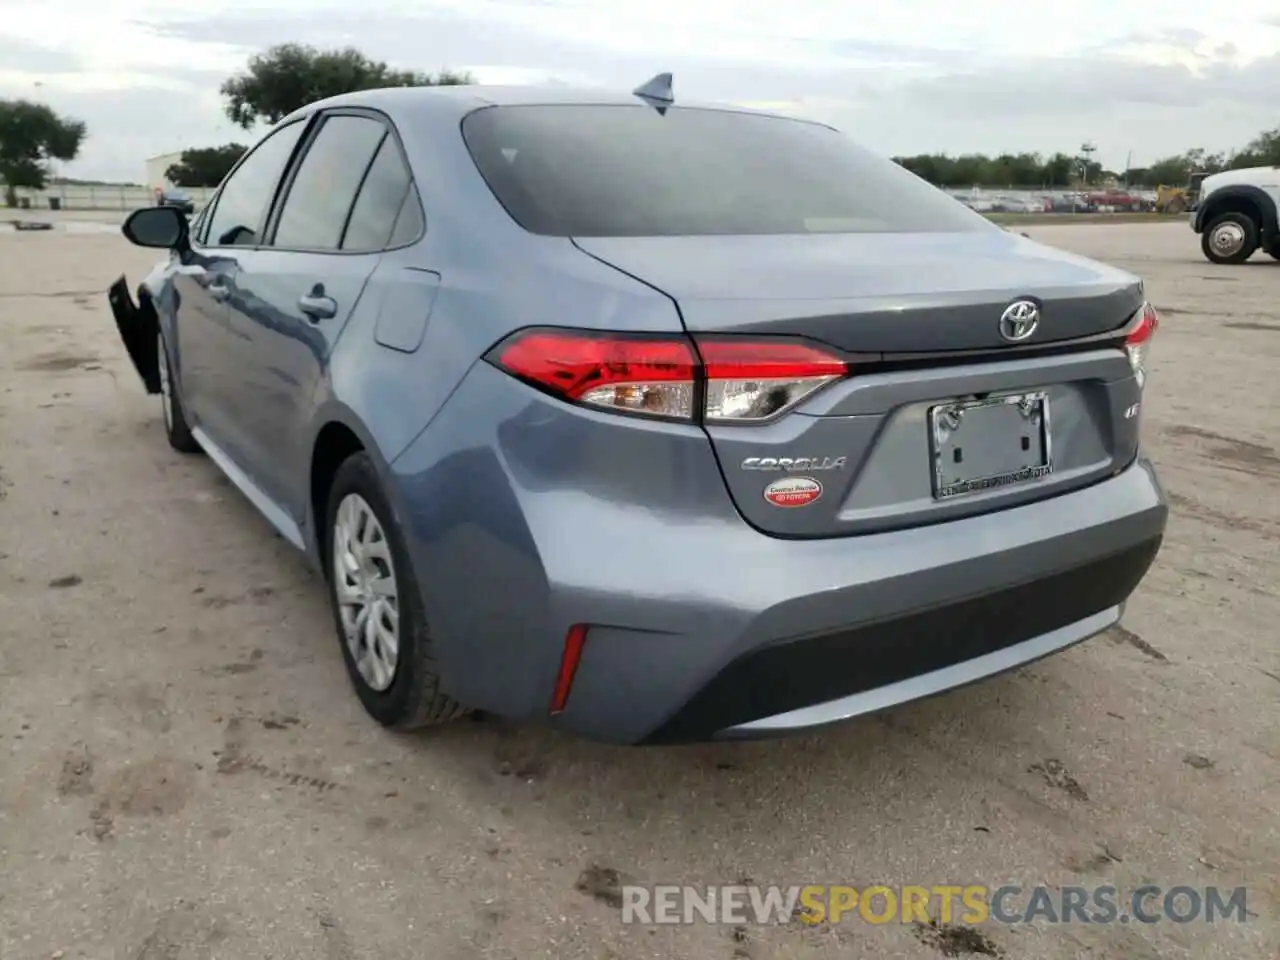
(971, 904)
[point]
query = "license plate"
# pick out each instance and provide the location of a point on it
(981, 445)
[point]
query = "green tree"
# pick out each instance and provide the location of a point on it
(1059, 170)
(291, 75)
(32, 135)
(1176, 171)
(1262, 151)
(1024, 170)
(205, 166)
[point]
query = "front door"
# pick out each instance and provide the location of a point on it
(211, 348)
(201, 283)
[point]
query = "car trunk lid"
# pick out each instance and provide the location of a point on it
(940, 416)
(877, 293)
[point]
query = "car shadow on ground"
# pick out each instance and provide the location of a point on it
(884, 765)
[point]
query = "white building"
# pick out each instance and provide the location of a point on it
(156, 168)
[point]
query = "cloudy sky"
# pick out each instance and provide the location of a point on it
(1151, 77)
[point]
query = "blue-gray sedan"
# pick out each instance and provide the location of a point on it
(651, 420)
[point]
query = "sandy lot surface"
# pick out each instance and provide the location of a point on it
(184, 772)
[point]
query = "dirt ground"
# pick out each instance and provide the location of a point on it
(184, 772)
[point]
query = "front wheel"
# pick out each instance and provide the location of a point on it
(1229, 238)
(377, 607)
(175, 418)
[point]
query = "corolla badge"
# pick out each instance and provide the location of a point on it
(793, 463)
(1019, 320)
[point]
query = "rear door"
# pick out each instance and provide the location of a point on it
(295, 295)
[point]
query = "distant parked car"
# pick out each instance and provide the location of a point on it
(651, 451)
(1021, 205)
(1114, 201)
(175, 198)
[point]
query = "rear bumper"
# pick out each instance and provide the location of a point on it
(525, 518)
(836, 676)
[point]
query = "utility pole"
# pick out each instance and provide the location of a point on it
(1087, 150)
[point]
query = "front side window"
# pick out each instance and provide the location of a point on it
(628, 171)
(315, 211)
(244, 199)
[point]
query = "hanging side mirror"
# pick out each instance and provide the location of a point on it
(164, 228)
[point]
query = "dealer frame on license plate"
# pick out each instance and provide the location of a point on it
(983, 445)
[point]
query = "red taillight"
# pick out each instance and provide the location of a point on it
(1145, 323)
(1137, 342)
(632, 374)
(569, 657)
(741, 379)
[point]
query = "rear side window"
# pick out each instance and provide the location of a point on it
(378, 206)
(627, 171)
(243, 200)
(410, 223)
(320, 197)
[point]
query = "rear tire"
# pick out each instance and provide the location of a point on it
(387, 649)
(1229, 238)
(175, 417)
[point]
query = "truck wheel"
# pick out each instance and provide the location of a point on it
(1274, 249)
(1230, 238)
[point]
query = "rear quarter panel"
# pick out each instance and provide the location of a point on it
(474, 278)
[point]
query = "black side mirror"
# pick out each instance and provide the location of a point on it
(164, 228)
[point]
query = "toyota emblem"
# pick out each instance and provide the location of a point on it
(1019, 320)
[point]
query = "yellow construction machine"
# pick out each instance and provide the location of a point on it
(1171, 200)
(1178, 200)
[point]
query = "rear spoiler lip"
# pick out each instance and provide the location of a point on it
(885, 362)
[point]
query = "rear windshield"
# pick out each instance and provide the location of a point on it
(629, 171)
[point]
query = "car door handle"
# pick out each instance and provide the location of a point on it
(318, 306)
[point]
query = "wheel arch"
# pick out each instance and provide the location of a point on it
(337, 434)
(1252, 201)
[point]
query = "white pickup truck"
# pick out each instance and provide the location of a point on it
(1235, 214)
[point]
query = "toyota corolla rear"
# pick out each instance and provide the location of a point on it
(884, 448)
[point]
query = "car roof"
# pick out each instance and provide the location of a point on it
(464, 98)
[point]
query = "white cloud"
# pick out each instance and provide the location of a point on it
(1151, 76)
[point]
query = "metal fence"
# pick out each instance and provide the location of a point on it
(81, 197)
(1057, 200)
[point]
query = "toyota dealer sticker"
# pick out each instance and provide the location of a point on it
(793, 492)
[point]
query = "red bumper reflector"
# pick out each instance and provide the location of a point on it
(573, 641)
